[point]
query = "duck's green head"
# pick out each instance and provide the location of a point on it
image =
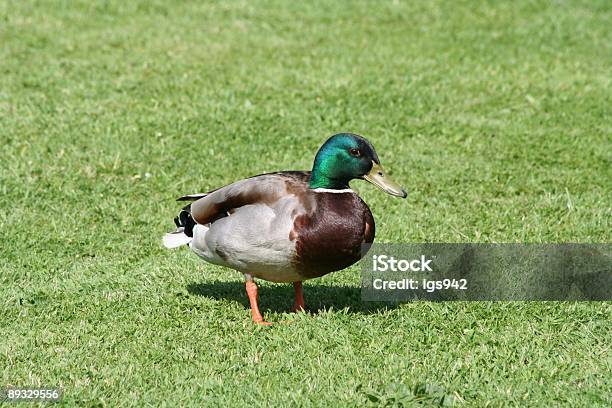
(344, 157)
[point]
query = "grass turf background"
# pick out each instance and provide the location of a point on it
(495, 116)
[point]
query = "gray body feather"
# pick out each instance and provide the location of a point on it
(254, 237)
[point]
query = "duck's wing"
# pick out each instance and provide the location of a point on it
(262, 189)
(192, 197)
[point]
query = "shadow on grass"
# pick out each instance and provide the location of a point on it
(279, 298)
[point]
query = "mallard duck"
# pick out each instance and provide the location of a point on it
(287, 226)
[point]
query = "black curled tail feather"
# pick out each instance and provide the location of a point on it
(184, 220)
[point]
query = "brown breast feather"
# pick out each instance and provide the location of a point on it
(329, 237)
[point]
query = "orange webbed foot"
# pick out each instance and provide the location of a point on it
(298, 305)
(251, 289)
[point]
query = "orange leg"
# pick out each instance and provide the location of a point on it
(251, 289)
(298, 305)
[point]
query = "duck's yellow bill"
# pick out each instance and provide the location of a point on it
(378, 177)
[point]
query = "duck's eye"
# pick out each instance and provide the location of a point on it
(355, 152)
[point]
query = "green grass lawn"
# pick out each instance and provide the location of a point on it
(495, 116)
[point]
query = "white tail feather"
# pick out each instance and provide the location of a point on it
(176, 239)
